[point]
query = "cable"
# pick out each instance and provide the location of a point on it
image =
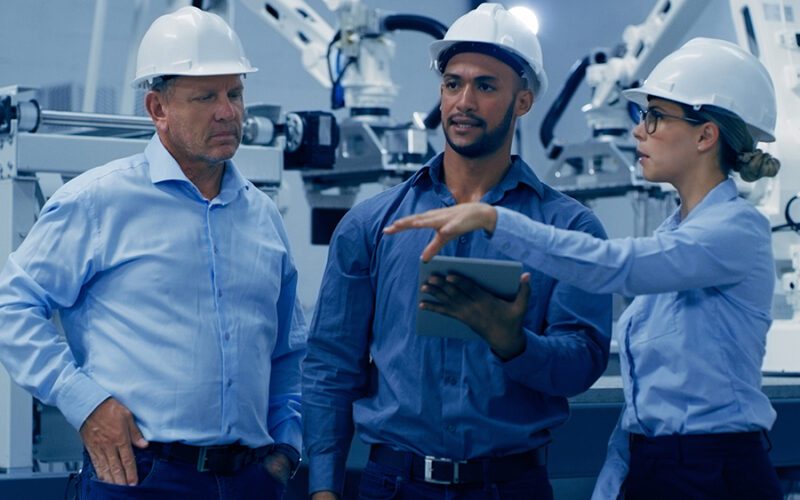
(790, 225)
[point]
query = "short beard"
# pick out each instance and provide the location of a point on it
(491, 141)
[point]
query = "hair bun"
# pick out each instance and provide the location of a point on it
(753, 165)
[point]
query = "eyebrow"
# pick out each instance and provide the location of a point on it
(481, 78)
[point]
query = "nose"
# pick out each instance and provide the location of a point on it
(466, 99)
(226, 110)
(639, 132)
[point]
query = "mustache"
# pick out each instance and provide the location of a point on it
(468, 116)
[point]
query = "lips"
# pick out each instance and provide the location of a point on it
(225, 134)
(463, 122)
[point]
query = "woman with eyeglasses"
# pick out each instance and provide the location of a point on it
(692, 342)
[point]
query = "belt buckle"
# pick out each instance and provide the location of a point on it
(201, 460)
(431, 461)
(202, 457)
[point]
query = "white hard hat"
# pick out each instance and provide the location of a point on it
(707, 71)
(492, 25)
(189, 42)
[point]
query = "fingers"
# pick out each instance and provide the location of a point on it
(100, 463)
(107, 434)
(128, 465)
(137, 438)
(434, 247)
(524, 293)
(432, 219)
(117, 468)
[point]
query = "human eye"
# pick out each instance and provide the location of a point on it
(450, 84)
(486, 87)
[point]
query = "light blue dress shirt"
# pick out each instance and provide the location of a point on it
(692, 342)
(430, 395)
(182, 309)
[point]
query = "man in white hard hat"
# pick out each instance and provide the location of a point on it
(176, 290)
(445, 417)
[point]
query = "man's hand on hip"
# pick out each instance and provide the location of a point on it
(108, 434)
(324, 495)
(278, 466)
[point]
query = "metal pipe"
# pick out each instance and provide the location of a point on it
(96, 120)
(95, 54)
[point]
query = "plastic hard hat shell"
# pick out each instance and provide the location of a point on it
(189, 42)
(707, 71)
(492, 24)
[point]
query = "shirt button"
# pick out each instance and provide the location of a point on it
(216, 250)
(227, 336)
(230, 382)
(451, 428)
(219, 293)
(228, 429)
(463, 239)
(450, 380)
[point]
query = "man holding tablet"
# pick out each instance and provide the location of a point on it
(447, 415)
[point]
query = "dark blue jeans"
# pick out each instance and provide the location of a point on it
(383, 482)
(159, 479)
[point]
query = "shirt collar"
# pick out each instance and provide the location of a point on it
(519, 173)
(722, 192)
(163, 167)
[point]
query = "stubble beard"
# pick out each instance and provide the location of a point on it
(487, 144)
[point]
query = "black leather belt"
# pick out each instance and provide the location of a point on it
(697, 445)
(226, 459)
(446, 471)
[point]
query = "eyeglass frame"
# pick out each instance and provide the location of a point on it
(657, 115)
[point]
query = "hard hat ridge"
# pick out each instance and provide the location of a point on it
(491, 25)
(189, 42)
(712, 72)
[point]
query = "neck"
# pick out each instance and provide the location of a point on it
(693, 190)
(207, 178)
(468, 179)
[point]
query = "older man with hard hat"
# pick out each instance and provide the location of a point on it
(177, 294)
(446, 417)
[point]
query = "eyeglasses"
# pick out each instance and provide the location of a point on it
(650, 118)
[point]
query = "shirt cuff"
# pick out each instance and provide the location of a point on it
(79, 397)
(290, 432)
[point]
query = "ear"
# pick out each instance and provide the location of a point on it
(708, 137)
(523, 102)
(155, 104)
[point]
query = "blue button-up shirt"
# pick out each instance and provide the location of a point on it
(440, 396)
(183, 309)
(692, 342)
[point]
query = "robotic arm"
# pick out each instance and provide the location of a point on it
(604, 165)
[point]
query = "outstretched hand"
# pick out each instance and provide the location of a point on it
(108, 434)
(449, 223)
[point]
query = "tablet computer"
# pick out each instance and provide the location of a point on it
(500, 277)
